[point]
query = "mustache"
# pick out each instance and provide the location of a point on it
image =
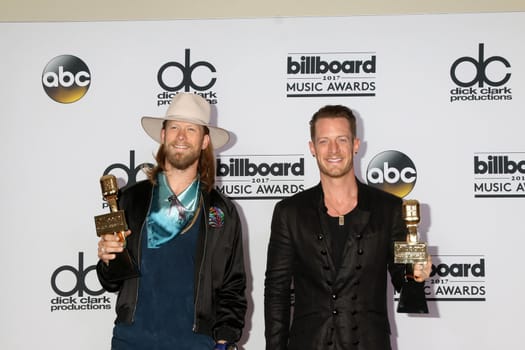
(178, 144)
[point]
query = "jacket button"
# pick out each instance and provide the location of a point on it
(329, 283)
(355, 327)
(334, 312)
(359, 236)
(323, 252)
(320, 237)
(353, 312)
(360, 251)
(326, 267)
(358, 267)
(334, 296)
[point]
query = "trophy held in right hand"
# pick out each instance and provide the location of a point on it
(123, 266)
(411, 299)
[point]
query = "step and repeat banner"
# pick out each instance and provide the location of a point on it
(440, 101)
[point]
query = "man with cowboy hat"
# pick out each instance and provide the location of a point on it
(185, 239)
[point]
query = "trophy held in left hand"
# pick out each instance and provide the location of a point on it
(123, 266)
(412, 298)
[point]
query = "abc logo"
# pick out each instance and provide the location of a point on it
(479, 72)
(174, 76)
(393, 172)
(66, 79)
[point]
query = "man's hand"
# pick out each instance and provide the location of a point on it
(110, 244)
(422, 270)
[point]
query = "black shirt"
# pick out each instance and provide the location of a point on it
(339, 235)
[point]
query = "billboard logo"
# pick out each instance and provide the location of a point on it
(331, 74)
(457, 278)
(498, 174)
(66, 79)
(260, 176)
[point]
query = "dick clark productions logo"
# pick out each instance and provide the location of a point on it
(480, 79)
(175, 76)
(74, 287)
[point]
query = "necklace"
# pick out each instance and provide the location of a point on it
(339, 213)
(340, 217)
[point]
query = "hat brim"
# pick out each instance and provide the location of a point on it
(153, 126)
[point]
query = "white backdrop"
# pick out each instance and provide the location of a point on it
(459, 139)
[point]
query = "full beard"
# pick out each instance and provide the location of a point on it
(182, 161)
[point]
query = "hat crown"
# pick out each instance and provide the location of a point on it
(189, 107)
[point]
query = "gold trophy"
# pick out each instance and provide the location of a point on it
(410, 252)
(123, 266)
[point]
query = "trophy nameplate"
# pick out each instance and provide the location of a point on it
(110, 223)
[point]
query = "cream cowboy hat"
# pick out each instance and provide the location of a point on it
(190, 108)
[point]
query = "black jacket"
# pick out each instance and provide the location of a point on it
(220, 302)
(343, 308)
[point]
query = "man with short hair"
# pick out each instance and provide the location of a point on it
(334, 244)
(185, 239)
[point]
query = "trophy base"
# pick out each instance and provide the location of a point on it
(121, 268)
(412, 298)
